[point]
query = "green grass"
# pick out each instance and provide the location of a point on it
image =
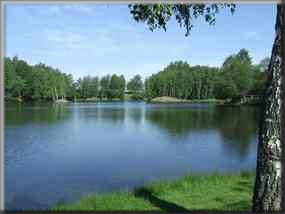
(204, 192)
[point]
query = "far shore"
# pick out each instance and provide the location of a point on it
(166, 99)
(156, 100)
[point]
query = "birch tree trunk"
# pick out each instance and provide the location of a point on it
(267, 191)
(56, 97)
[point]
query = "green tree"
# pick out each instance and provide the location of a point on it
(180, 80)
(135, 84)
(259, 81)
(263, 65)
(117, 86)
(238, 71)
(105, 87)
(135, 87)
(88, 87)
(38, 82)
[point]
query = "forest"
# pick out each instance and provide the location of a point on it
(237, 76)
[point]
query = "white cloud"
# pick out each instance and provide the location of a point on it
(64, 37)
(70, 41)
(79, 8)
(61, 9)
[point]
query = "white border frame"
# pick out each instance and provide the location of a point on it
(3, 48)
(2, 119)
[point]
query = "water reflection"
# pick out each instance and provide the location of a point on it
(113, 115)
(135, 115)
(180, 121)
(87, 147)
(38, 113)
(237, 126)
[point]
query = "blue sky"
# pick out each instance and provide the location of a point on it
(96, 39)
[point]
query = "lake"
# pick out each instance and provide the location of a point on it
(61, 152)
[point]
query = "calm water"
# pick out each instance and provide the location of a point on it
(61, 152)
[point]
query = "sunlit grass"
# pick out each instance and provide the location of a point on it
(204, 192)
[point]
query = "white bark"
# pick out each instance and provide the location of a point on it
(268, 189)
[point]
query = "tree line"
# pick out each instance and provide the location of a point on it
(38, 82)
(236, 76)
(108, 87)
(44, 83)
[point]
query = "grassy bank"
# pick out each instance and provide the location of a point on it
(166, 99)
(208, 192)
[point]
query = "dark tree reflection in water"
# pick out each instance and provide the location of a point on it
(109, 146)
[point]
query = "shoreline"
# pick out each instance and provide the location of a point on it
(158, 100)
(217, 191)
(171, 100)
(116, 100)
